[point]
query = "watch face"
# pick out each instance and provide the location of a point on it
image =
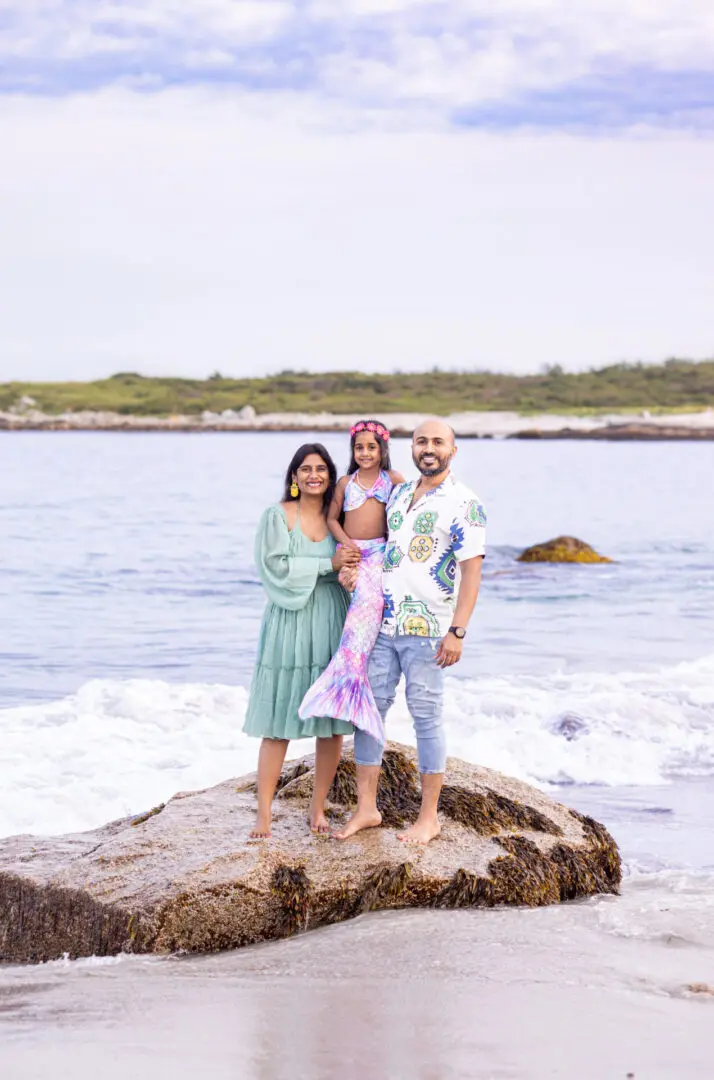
(459, 632)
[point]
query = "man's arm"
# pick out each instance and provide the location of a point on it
(450, 647)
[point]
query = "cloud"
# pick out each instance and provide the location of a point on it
(439, 59)
(257, 184)
(192, 230)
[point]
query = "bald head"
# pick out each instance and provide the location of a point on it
(435, 428)
(433, 448)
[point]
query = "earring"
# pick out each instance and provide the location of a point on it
(294, 489)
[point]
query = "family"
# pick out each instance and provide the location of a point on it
(410, 555)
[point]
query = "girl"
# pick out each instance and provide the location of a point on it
(301, 628)
(360, 502)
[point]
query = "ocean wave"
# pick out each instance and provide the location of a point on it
(117, 748)
(617, 729)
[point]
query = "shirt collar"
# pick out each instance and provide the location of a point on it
(448, 482)
(442, 489)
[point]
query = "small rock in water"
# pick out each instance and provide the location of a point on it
(570, 726)
(564, 549)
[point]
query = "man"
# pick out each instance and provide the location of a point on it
(436, 535)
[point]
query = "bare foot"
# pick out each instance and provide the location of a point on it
(261, 829)
(318, 822)
(421, 832)
(361, 819)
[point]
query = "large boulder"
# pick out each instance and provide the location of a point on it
(564, 549)
(187, 876)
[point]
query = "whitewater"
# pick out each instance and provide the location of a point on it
(116, 748)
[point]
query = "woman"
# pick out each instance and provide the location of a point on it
(298, 564)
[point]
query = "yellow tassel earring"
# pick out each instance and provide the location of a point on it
(294, 489)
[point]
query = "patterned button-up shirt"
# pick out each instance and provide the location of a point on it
(426, 543)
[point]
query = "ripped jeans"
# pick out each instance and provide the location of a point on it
(415, 658)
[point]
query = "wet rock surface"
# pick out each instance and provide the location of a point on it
(563, 549)
(187, 876)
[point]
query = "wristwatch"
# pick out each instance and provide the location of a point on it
(457, 631)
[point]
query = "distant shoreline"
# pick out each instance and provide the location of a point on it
(697, 426)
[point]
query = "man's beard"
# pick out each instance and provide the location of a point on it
(440, 465)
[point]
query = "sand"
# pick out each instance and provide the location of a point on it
(524, 995)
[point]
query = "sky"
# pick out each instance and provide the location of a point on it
(248, 187)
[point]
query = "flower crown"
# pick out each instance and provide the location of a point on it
(378, 429)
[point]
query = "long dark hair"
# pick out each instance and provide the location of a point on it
(383, 444)
(298, 457)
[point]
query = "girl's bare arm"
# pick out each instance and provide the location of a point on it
(333, 514)
(395, 477)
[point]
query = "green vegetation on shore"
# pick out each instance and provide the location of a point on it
(674, 385)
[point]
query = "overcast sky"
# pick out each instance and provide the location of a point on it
(375, 184)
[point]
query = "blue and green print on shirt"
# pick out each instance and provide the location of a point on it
(426, 543)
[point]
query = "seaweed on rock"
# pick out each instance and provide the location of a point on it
(564, 549)
(286, 778)
(149, 814)
(528, 876)
(604, 847)
(292, 887)
(397, 796)
(488, 812)
(384, 885)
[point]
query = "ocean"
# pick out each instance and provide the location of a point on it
(130, 610)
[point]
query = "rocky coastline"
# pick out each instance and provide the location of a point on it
(477, 425)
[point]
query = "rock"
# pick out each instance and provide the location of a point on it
(186, 875)
(247, 413)
(562, 549)
(570, 726)
(646, 431)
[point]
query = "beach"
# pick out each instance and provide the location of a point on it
(132, 609)
(556, 992)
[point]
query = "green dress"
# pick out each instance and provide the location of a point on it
(301, 629)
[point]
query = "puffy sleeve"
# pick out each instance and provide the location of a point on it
(289, 580)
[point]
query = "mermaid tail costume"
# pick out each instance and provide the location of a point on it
(343, 690)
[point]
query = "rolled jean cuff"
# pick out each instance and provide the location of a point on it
(367, 750)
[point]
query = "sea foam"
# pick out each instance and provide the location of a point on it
(117, 748)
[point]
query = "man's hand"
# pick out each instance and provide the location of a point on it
(449, 651)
